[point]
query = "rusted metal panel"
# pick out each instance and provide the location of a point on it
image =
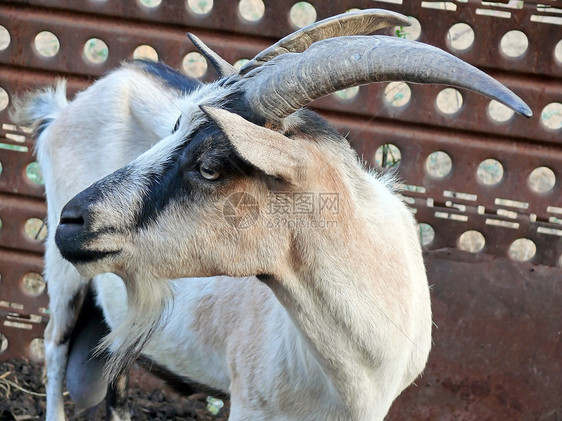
(14, 164)
(19, 334)
(497, 342)
(466, 152)
(15, 297)
(225, 17)
(459, 201)
(15, 212)
(23, 312)
(488, 30)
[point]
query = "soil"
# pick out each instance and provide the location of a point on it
(22, 397)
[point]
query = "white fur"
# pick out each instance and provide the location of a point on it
(283, 354)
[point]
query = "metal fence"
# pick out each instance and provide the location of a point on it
(485, 185)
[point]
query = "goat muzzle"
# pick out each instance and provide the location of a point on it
(74, 233)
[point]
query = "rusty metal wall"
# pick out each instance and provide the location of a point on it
(497, 306)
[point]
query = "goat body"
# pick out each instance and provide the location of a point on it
(336, 321)
(105, 127)
(231, 334)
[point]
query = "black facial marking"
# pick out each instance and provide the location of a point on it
(169, 76)
(87, 256)
(70, 241)
(180, 180)
(161, 188)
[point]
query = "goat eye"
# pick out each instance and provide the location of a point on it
(208, 173)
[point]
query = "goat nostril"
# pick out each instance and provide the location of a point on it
(65, 220)
(71, 215)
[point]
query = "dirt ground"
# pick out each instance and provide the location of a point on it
(22, 397)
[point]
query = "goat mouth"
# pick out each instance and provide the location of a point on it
(72, 243)
(77, 256)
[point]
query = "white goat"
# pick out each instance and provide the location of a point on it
(105, 127)
(338, 321)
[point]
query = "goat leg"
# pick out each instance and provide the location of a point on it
(64, 313)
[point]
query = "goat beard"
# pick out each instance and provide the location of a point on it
(150, 304)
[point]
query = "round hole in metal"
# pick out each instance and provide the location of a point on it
(499, 113)
(96, 51)
(471, 241)
(251, 10)
(145, 52)
(460, 37)
(239, 63)
(4, 99)
(200, 7)
(46, 44)
(541, 180)
(438, 164)
(194, 64)
(347, 94)
(522, 250)
(412, 32)
(490, 172)
(514, 44)
(35, 229)
(388, 156)
(426, 233)
(302, 14)
(4, 38)
(551, 116)
(34, 174)
(449, 101)
(397, 94)
(33, 284)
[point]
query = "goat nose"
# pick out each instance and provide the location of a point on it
(72, 214)
(72, 232)
(75, 212)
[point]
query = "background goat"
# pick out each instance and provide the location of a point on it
(349, 315)
(105, 127)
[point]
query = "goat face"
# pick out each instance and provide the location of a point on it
(198, 197)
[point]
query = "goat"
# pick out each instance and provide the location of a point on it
(106, 126)
(332, 315)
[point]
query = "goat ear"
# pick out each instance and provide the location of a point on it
(268, 150)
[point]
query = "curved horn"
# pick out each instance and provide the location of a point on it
(361, 22)
(291, 81)
(223, 67)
